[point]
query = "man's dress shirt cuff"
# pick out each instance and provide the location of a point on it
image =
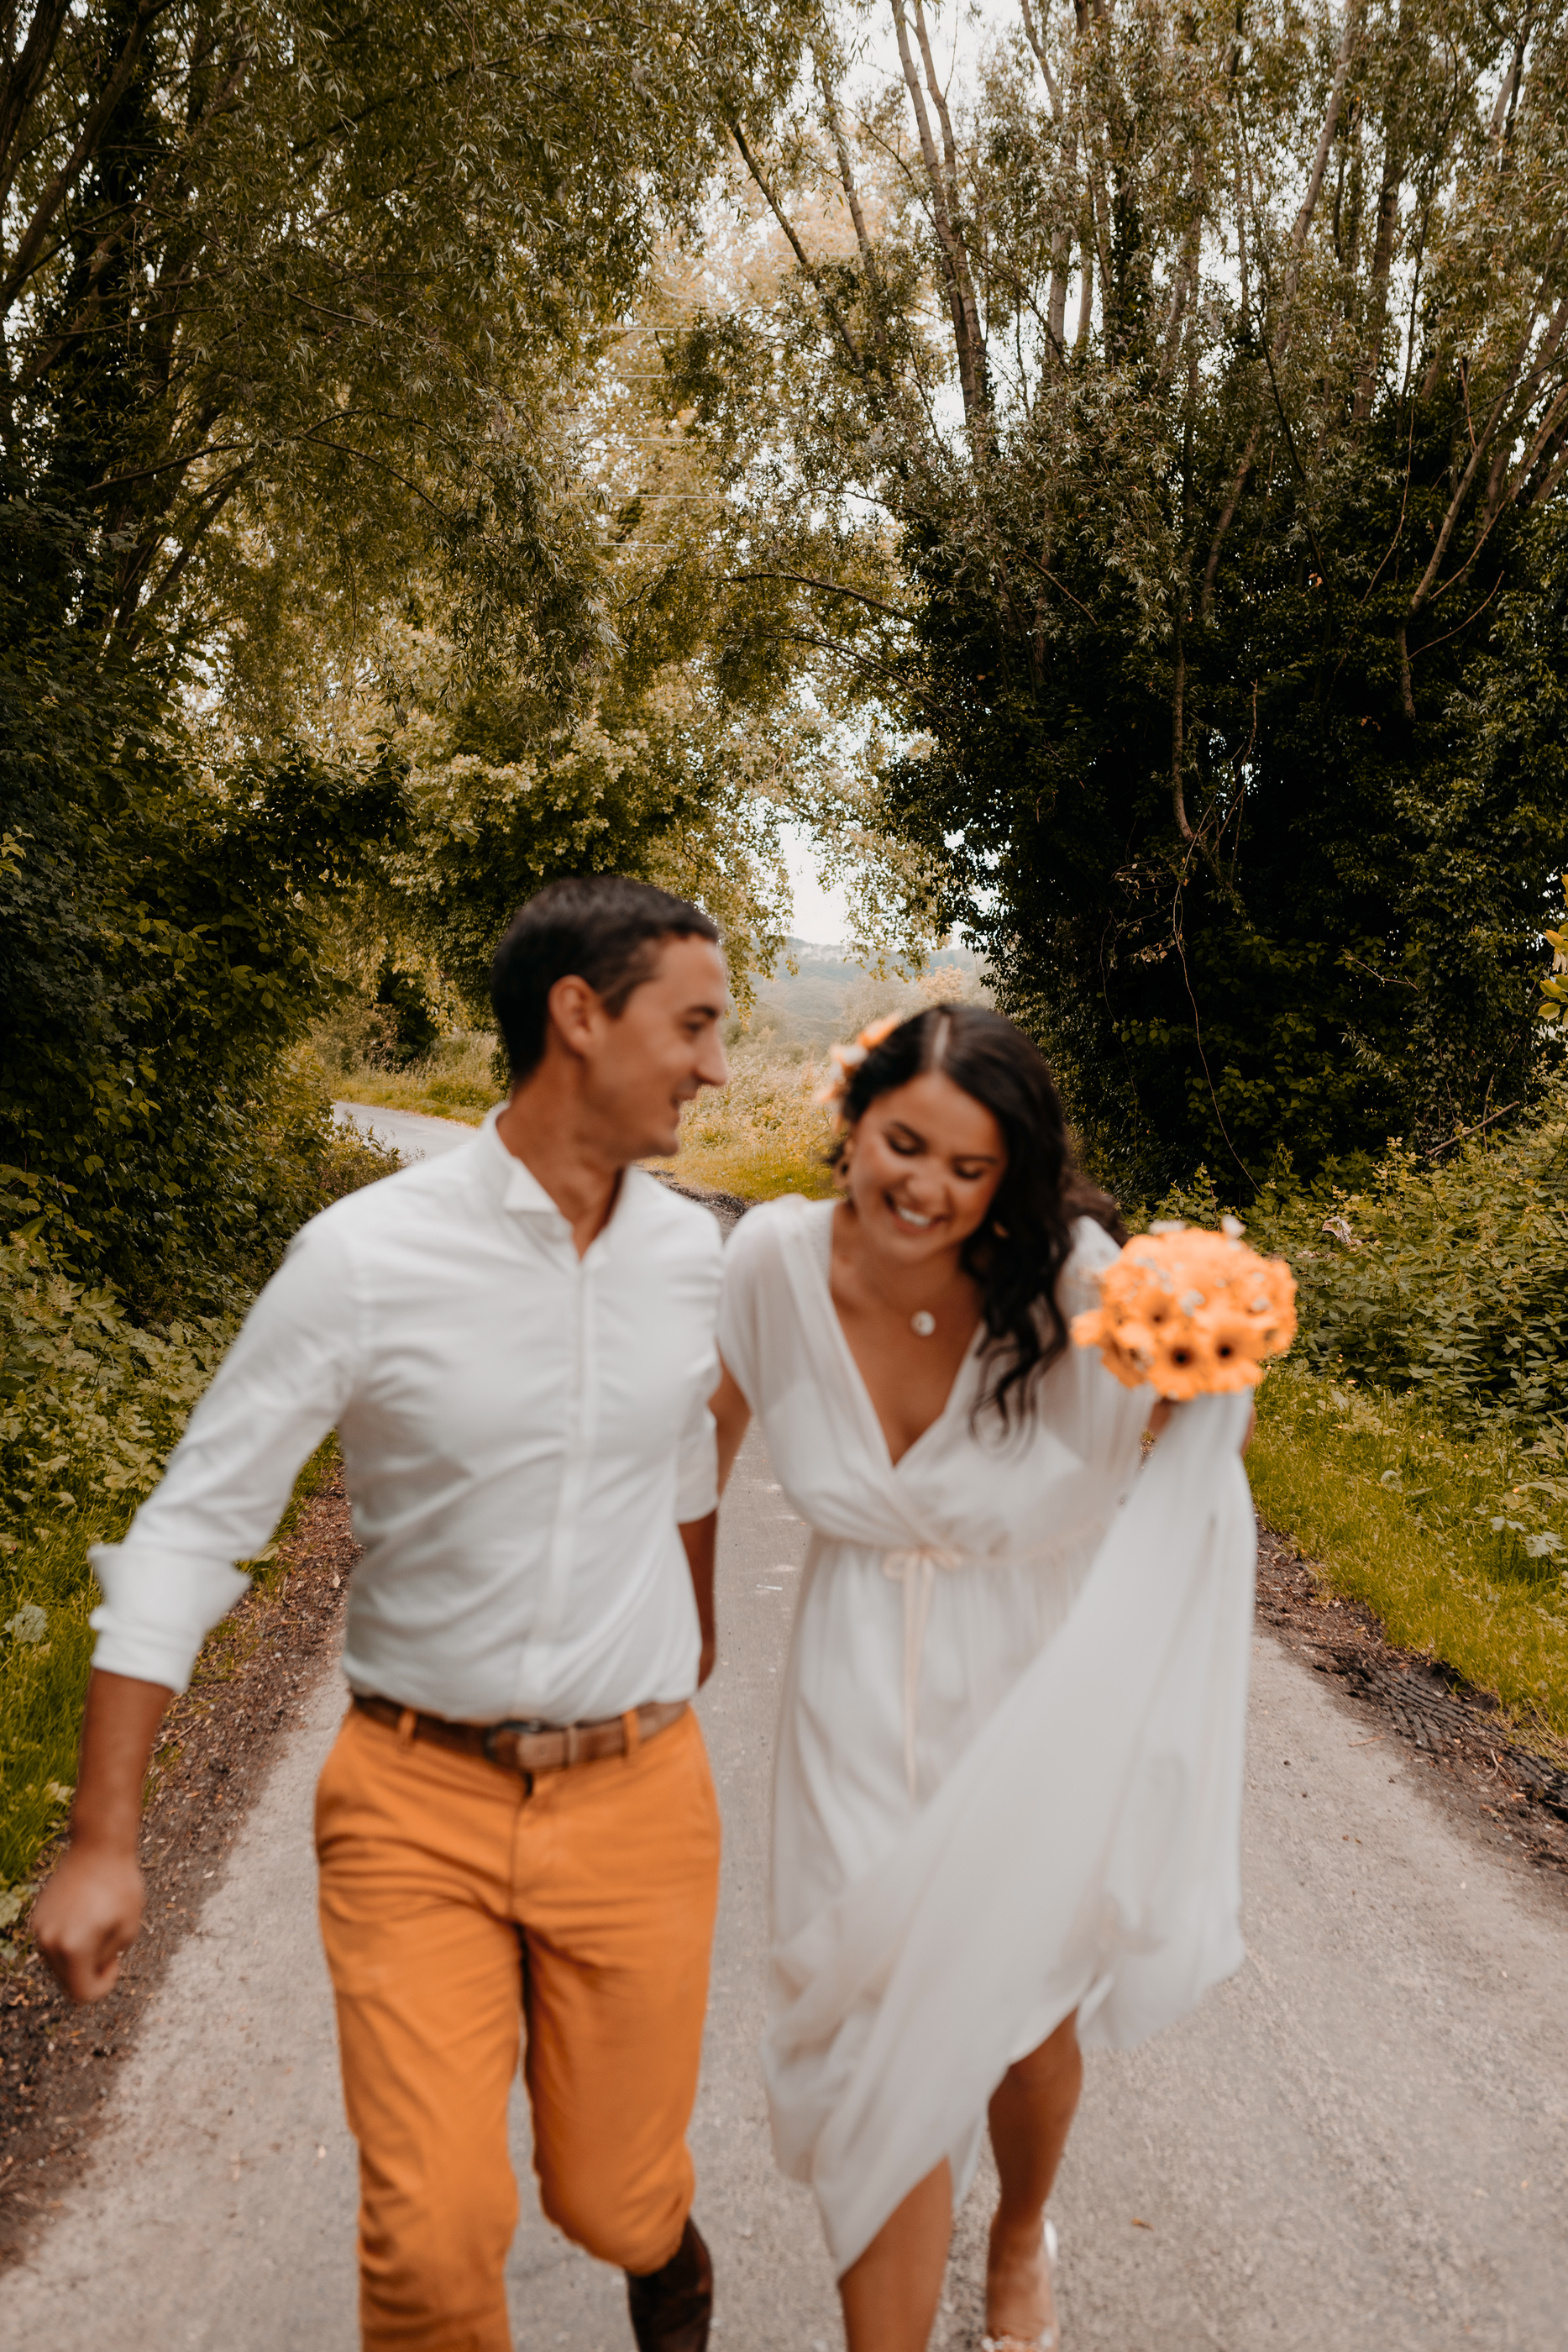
(697, 1480)
(158, 1609)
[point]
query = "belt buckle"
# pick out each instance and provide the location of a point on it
(525, 1728)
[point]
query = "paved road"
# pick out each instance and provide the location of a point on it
(1360, 2145)
(416, 1136)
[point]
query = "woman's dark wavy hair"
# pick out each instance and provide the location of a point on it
(1016, 1257)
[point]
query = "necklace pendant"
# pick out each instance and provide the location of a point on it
(923, 1322)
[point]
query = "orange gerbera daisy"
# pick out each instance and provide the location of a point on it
(1190, 1313)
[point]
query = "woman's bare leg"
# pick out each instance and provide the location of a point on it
(890, 2295)
(1030, 2115)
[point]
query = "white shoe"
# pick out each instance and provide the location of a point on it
(1051, 2339)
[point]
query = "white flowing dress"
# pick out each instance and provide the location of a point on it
(1010, 1766)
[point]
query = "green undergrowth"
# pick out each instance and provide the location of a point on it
(457, 1079)
(47, 1591)
(1456, 1541)
(1416, 1443)
(93, 1398)
(1443, 1275)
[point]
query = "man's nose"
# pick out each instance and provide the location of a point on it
(713, 1069)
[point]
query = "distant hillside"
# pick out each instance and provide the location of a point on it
(811, 1006)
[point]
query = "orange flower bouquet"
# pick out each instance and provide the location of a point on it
(1190, 1313)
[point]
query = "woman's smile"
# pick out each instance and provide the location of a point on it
(917, 1221)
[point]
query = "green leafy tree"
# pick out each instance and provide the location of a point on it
(297, 307)
(1191, 389)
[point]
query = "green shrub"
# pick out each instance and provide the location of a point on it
(1444, 1275)
(163, 944)
(91, 1403)
(404, 997)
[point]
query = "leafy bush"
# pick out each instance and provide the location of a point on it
(414, 1029)
(92, 1399)
(91, 1403)
(164, 937)
(1443, 1275)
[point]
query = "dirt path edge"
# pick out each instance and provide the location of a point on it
(219, 1742)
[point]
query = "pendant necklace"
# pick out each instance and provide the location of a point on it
(923, 1322)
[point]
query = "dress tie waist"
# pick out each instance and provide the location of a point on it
(916, 1570)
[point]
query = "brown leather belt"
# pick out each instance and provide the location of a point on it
(529, 1748)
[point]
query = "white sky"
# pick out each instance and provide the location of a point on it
(821, 915)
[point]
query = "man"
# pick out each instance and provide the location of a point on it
(517, 1825)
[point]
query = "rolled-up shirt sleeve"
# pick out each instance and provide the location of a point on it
(277, 1393)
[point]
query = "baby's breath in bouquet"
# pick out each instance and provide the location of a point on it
(1189, 1313)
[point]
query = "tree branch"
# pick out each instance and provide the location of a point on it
(852, 198)
(853, 349)
(65, 178)
(960, 291)
(1499, 406)
(829, 588)
(1299, 234)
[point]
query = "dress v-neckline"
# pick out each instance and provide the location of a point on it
(857, 1379)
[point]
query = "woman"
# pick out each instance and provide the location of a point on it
(998, 1815)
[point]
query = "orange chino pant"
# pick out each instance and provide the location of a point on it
(457, 1910)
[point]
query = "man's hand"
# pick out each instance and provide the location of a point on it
(700, 1537)
(90, 1911)
(87, 1917)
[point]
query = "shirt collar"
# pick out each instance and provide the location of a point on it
(516, 1185)
(517, 1189)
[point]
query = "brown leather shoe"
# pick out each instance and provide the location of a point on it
(672, 2308)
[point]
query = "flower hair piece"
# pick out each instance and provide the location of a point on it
(849, 1058)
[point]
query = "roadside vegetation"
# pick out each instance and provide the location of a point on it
(1456, 1543)
(92, 1400)
(1416, 1441)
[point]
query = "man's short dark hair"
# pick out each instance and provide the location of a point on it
(598, 928)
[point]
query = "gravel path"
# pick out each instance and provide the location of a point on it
(413, 1132)
(1360, 2142)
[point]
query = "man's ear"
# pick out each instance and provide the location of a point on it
(576, 1011)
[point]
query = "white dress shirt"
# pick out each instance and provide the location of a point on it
(521, 1429)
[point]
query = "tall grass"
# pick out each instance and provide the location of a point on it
(764, 1134)
(1456, 1543)
(455, 1080)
